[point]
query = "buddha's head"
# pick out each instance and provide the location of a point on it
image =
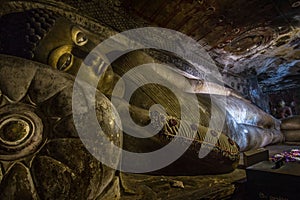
(51, 39)
(42, 36)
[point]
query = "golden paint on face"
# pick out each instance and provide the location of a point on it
(78, 37)
(64, 47)
(61, 58)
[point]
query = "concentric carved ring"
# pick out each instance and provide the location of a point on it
(21, 131)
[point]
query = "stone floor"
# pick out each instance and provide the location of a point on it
(180, 187)
(224, 186)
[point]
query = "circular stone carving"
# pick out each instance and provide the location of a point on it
(21, 131)
(41, 156)
(14, 130)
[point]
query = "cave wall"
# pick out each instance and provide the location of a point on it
(288, 96)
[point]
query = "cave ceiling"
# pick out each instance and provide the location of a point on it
(243, 37)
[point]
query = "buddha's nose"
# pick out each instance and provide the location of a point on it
(80, 52)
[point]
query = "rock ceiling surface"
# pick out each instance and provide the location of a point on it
(258, 37)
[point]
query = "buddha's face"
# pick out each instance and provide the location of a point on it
(65, 48)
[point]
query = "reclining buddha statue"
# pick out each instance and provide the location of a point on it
(42, 50)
